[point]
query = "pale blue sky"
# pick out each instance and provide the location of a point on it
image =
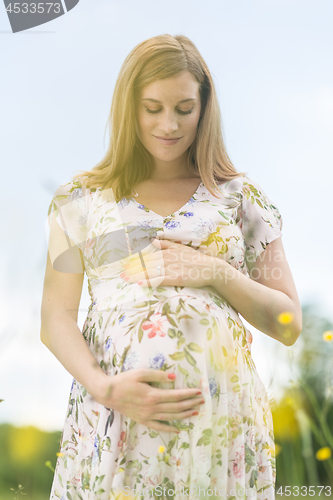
(272, 66)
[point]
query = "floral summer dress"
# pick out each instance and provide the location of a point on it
(225, 452)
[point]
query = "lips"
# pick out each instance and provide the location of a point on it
(167, 142)
(167, 138)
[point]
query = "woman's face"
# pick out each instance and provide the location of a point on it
(162, 114)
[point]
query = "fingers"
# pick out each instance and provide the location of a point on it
(147, 275)
(152, 406)
(173, 415)
(152, 375)
(170, 411)
(153, 282)
(186, 405)
(150, 261)
(174, 395)
(169, 417)
(146, 278)
(164, 395)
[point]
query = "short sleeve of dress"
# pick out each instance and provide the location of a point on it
(66, 227)
(261, 220)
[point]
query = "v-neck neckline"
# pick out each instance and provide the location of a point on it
(173, 213)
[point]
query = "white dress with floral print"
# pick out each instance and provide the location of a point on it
(225, 452)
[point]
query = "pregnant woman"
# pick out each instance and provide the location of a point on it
(166, 401)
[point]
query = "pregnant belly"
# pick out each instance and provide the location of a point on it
(188, 332)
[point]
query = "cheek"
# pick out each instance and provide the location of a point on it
(141, 122)
(194, 120)
(192, 126)
(145, 124)
(142, 131)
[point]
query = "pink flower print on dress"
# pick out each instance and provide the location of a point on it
(157, 324)
(153, 472)
(238, 466)
(249, 337)
(89, 246)
(233, 405)
(75, 472)
(210, 306)
(238, 259)
(252, 440)
(203, 386)
(122, 439)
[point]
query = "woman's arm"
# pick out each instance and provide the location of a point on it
(60, 332)
(269, 292)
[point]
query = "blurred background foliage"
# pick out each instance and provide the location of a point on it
(303, 426)
(303, 418)
(24, 452)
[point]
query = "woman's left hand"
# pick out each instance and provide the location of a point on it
(180, 266)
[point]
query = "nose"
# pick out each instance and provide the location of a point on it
(168, 123)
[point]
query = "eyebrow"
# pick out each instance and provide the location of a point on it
(155, 100)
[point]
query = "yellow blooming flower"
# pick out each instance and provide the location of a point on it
(328, 336)
(161, 449)
(285, 317)
(284, 422)
(25, 443)
(59, 454)
(277, 450)
(49, 465)
(290, 401)
(324, 453)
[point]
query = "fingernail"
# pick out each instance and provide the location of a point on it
(126, 278)
(171, 375)
(122, 275)
(198, 392)
(195, 413)
(140, 282)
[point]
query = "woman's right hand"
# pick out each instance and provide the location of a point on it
(129, 393)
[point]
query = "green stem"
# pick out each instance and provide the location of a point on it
(307, 450)
(319, 414)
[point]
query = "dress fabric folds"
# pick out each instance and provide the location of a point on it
(227, 451)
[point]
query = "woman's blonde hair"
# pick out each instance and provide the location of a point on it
(127, 162)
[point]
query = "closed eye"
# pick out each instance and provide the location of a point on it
(179, 111)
